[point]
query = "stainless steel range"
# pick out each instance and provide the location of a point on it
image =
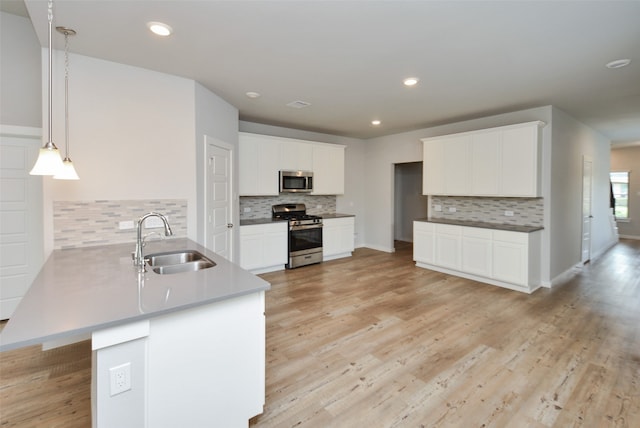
(305, 234)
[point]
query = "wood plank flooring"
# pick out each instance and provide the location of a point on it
(374, 341)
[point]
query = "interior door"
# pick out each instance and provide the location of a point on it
(218, 198)
(21, 248)
(587, 165)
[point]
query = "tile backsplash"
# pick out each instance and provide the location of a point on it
(260, 206)
(526, 211)
(90, 223)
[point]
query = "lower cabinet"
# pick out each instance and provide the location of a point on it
(264, 247)
(504, 258)
(337, 237)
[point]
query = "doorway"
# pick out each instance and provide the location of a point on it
(587, 172)
(409, 202)
(21, 244)
(218, 195)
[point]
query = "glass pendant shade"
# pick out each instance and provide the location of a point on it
(49, 161)
(68, 172)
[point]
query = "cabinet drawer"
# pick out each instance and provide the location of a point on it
(513, 237)
(449, 229)
(476, 232)
(423, 226)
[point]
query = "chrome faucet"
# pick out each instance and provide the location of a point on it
(138, 258)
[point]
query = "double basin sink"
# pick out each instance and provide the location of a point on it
(179, 261)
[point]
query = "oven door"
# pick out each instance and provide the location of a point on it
(305, 245)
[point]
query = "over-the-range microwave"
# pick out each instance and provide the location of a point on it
(296, 181)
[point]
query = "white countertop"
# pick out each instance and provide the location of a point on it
(82, 290)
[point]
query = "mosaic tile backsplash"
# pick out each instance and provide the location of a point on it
(90, 223)
(260, 206)
(526, 211)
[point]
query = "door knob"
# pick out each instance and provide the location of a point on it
(229, 225)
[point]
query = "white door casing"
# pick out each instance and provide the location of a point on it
(218, 197)
(587, 172)
(21, 230)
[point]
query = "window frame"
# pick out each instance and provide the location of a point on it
(621, 183)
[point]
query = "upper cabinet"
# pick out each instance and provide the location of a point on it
(262, 156)
(328, 169)
(295, 155)
(259, 157)
(503, 161)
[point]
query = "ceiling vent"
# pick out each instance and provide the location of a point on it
(298, 104)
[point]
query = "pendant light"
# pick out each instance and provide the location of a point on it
(68, 172)
(49, 161)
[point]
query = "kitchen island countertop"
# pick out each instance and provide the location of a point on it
(483, 225)
(82, 290)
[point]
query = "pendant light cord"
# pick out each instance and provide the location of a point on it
(66, 96)
(50, 17)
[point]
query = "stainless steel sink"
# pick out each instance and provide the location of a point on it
(178, 261)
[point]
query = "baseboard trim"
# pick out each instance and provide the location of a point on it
(629, 236)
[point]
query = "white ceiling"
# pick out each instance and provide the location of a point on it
(348, 58)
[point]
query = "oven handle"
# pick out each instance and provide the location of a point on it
(310, 226)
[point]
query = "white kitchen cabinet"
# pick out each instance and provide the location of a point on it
(264, 247)
(328, 169)
(296, 155)
(259, 157)
(511, 257)
(337, 237)
(476, 251)
(502, 161)
(485, 167)
(457, 161)
(504, 258)
(521, 154)
(448, 246)
(433, 167)
(445, 165)
(424, 242)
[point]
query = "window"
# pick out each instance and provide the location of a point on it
(620, 186)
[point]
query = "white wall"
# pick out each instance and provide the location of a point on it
(572, 141)
(353, 200)
(410, 203)
(131, 133)
(383, 152)
(628, 159)
(20, 82)
(215, 118)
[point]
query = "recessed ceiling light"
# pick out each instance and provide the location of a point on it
(160, 28)
(619, 63)
(376, 122)
(251, 94)
(298, 104)
(410, 81)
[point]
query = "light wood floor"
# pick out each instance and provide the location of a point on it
(374, 341)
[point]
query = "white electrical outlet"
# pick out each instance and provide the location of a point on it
(246, 210)
(437, 207)
(452, 209)
(154, 222)
(126, 225)
(508, 213)
(120, 379)
(318, 207)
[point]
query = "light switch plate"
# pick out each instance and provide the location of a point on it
(508, 213)
(437, 207)
(452, 209)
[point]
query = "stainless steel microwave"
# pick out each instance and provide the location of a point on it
(296, 181)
